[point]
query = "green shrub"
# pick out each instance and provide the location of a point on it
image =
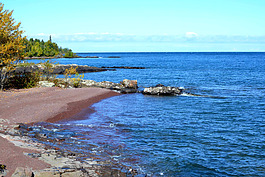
(27, 80)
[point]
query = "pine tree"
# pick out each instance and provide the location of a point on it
(11, 44)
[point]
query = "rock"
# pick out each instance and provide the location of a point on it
(58, 68)
(129, 83)
(3, 171)
(4, 120)
(22, 172)
(61, 86)
(90, 57)
(59, 173)
(124, 67)
(46, 173)
(110, 85)
(163, 90)
(46, 84)
(26, 69)
(89, 83)
(128, 90)
(114, 57)
(126, 86)
(73, 174)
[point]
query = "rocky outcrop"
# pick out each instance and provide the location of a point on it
(59, 69)
(163, 90)
(123, 67)
(126, 86)
(114, 57)
(97, 57)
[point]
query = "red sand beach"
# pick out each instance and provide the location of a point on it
(36, 105)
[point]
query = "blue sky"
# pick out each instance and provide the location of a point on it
(145, 25)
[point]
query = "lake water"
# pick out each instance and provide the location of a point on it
(222, 135)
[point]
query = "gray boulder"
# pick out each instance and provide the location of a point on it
(126, 86)
(46, 84)
(163, 90)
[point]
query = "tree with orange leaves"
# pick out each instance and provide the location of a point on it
(11, 45)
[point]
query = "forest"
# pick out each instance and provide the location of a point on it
(39, 48)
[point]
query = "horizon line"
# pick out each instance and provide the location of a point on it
(176, 52)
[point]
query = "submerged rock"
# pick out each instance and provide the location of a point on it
(163, 90)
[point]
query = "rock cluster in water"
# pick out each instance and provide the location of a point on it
(126, 86)
(163, 90)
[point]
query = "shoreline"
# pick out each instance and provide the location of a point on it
(39, 105)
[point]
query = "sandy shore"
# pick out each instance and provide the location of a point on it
(36, 105)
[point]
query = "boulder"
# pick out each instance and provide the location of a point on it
(46, 84)
(22, 172)
(163, 90)
(89, 83)
(126, 86)
(110, 85)
(130, 84)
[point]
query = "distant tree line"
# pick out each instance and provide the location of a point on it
(39, 48)
(14, 47)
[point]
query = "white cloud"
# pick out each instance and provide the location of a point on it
(191, 35)
(89, 33)
(41, 34)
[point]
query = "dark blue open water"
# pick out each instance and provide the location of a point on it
(178, 135)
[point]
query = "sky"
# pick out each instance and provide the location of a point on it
(145, 25)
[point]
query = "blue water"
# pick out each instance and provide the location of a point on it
(223, 135)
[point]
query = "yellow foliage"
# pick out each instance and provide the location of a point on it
(77, 79)
(11, 44)
(68, 73)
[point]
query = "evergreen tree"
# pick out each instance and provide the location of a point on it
(37, 48)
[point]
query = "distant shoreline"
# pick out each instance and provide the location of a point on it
(55, 57)
(31, 58)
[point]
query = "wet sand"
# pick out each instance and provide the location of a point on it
(37, 105)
